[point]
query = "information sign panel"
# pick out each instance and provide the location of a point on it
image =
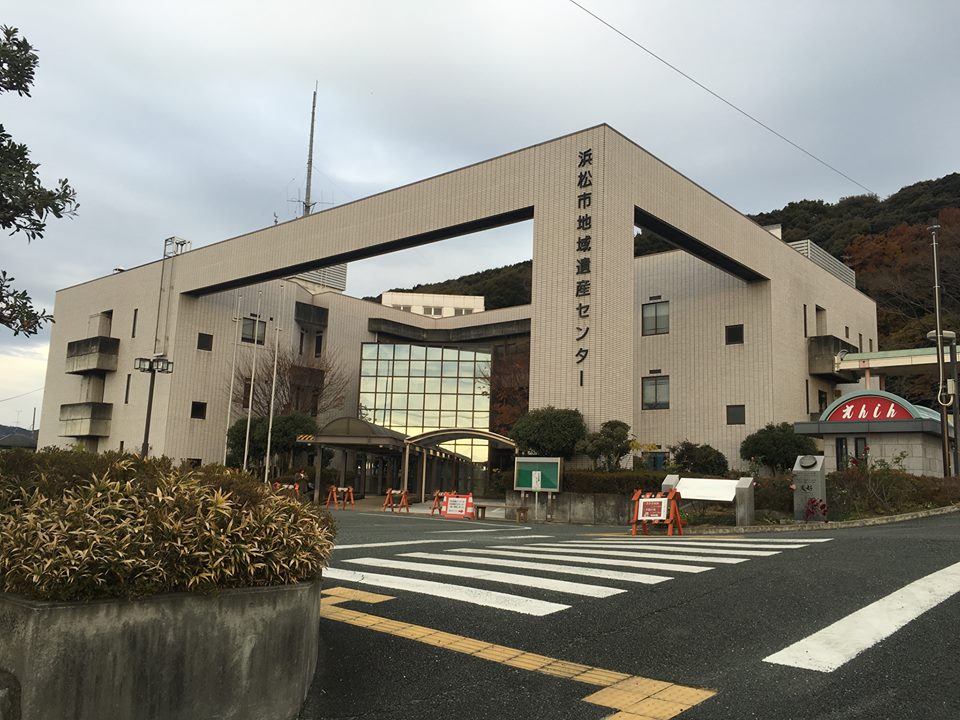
(538, 474)
(653, 509)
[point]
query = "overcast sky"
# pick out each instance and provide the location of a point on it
(191, 118)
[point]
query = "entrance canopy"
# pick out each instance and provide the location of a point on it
(356, 434)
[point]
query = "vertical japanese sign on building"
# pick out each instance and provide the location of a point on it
(583, 278)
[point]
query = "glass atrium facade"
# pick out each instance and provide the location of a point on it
(417, 388)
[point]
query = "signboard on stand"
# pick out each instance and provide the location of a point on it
(537, 475)
(457, 506)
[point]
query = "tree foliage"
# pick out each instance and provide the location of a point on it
(693, 457)
(608, 445)
(25, 204)
(776, 446)
(315, 388)
(283, 440)
(549, 432)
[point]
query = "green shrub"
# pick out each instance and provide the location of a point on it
(549, 432)
(864, 490)
(774, 493)
(115, 534)
(776, 446)
(620, 483)
(692, 457)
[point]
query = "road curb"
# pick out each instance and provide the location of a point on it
(812, 526)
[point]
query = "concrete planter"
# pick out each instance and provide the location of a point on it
(248, 653)
(580, 508)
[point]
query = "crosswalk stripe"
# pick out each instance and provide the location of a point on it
(393, 543)
(734, 547)
(628, 553)
(672, 548)
(475, 596)
(592, 560)
(564, 586)
(547, 567)
(708, 538)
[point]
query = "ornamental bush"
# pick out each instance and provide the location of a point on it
(117, 535)
(549, 432)
(692, 457)
(776, 446)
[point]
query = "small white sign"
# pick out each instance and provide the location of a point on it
(535, 480)
(457, 506)
(652, 509)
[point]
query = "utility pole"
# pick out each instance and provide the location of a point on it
(307, 205)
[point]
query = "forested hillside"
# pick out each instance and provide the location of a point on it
(885, 241)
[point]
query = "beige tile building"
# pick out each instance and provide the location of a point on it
(733, 330)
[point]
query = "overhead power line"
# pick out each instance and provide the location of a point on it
(14, 397)
(721, 98)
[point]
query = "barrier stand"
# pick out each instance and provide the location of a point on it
(437, 502)
(340, 496)
(656, 508)
(292, 490)
(388, 501)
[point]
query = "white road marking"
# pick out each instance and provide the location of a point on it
(522, 537)
(734, 546)
(437, 532)
(672, 548)
(592, 560)
(840, 642)
(564, 586)
(392, 544)
(475, 596)
(593, 552)
(546, 567)
(709, 538)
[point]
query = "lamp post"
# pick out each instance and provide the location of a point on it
(152, 366)
(943, 399)
(951, 337)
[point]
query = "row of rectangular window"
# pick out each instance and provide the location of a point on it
(446, 385)
(655, 395)
(655, 320)
(404, 351)
(418, 401)
(425, 368)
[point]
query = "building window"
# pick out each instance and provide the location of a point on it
(860, 448)
(133, 329)
(843, 461)
(318, 344)
(251, 325)
(315, 403)
(860, 342)
(302, 335)
(204, 341)
(871, 344)
(121, 446)
(806, 393)
(656, 392)
(734, 334)
(822, 400)
(126, 392)
(655, 460)
(846, 331)
(198, 410)
(435, 311)
(462, 311)
(805, 321)
(656, 318)
(194, 463)
(736, 415)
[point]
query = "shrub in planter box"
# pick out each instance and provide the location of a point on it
(167, 566)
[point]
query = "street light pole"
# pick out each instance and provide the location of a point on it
(145, 448)
(943, 399)
(153, 366)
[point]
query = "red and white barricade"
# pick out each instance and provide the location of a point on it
(656, 508)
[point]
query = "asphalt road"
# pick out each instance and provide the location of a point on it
(710, 629)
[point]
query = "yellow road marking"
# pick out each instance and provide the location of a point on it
(634, 697)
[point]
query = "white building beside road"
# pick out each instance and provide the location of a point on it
(732, 330)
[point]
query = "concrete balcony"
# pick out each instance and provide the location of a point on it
(96, 354)
(86, 419)
(822, 352)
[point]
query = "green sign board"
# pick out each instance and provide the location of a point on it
(539, 474)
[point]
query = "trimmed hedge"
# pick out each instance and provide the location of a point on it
(621, 482)
(135, 527)
(864, 492)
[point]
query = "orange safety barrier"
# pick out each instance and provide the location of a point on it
(656, 508)
(437, 502)
(457, 506)
(293, 490)
(388, 501)
(340, 496)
